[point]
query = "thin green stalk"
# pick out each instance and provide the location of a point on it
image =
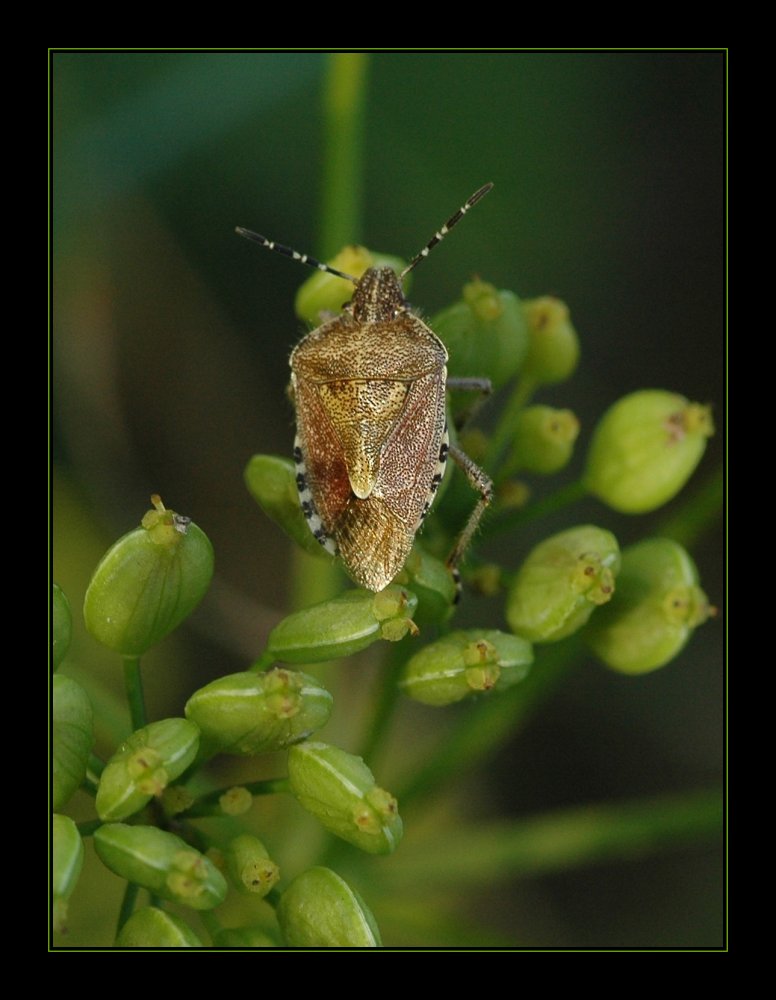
(343, 169)
(699, 512)
(127, 905)
(502, 435)
(558, 841)
(209, 804)
(385, 701)
(133, 685)
(564, 497)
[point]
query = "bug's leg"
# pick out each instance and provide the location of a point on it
(481, 385)
(484, 486)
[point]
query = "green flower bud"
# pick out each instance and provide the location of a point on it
(553, 351)
(271, 481)
(485, 333)
(340, 791)
(151, 927)
(561, 582)
(463, 664)
(144, 765)
(73, 737)
(67, 860)
(320, 910)
(61, 626)
(251, 713)
(161, 862)
(148, 582)
(323, 292)
(433, 585)
(244, 937)
(250, 867)
(543, 440)
(343, 625)
(657, 606)
(645, 448)
(235, 801)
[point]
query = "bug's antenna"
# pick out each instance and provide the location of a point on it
(303, 258)
(441, 233)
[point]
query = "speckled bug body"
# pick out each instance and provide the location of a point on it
(372, 442)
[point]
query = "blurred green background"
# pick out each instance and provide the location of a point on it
(170, 360)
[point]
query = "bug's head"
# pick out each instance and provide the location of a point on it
(378, 295)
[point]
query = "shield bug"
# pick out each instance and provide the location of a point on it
(371, 432)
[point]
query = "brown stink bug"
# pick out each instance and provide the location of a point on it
(371, 431)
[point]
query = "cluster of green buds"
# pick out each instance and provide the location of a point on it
(148, 582)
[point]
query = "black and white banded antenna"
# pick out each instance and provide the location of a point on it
(304, 258)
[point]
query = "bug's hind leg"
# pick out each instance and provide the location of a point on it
(481, 482)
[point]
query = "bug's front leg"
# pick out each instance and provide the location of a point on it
(481, 482)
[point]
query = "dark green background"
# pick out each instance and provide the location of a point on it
(171, 338)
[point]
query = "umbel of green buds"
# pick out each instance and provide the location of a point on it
(148, 582)
(320, 910)
(249, 865)
(161, 862)
(144, 765)
(561, 583)
(271, 481)
(326, 293)
(543, 440)
(553, 345)
(484, 332)
(251, 713)
(73, 737)
(645, 448)
(61, 625)
(151, 927)
(340, 791)
(66, 862)
(657, 606)
(464, 664)
(343, 625)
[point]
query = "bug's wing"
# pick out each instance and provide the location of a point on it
(375, 534)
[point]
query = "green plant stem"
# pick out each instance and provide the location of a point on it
(556, 501)
(264, 661)
(699, 512)
(209, 804)
(486, 724)
(558, 841)
(386, 701)
(127, 905)
(502, 435)
(133, 685)
(343, 117)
